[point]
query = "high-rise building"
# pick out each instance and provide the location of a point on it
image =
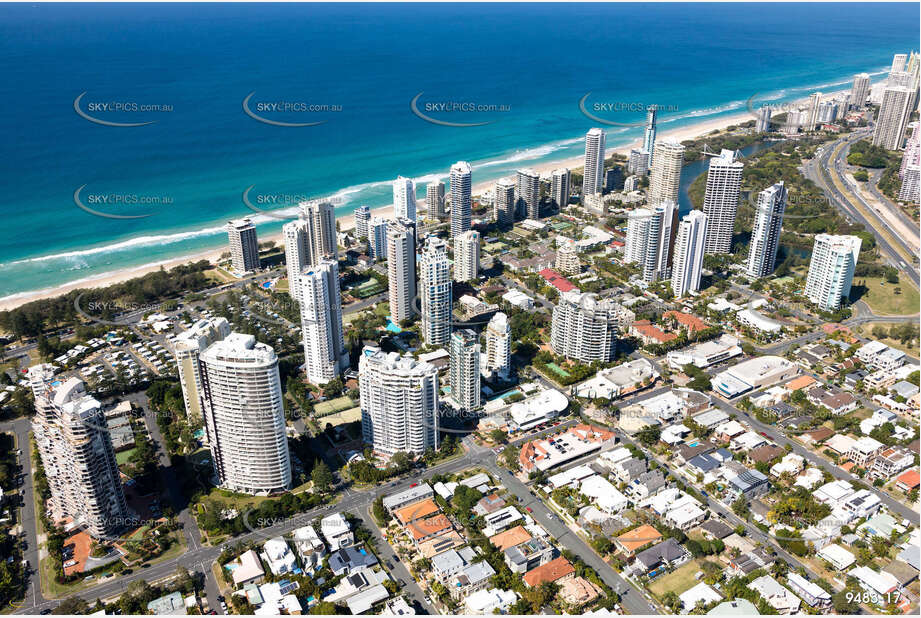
(464, 372)
(762, 253)
(795, 120)
(362, 218)
(404, 198)
(567, 258)
(638, 224)
(631, 183)
(721, 200)
(435, 290)
(504, 204)
(827, 112)
(321, 322)
(912, 153)
(560, 189)
(401, 268)
(461, 197)
(435, 200)
(613, 179)
(73, 441)
(812, 111)
(860, 90)
(244, 246)
(499, 345)
(689, 253)
(377, 237)
(244, 415)
(187, 349)
(893, 117)
(594, 162)
(667, 214)
(585, 327)
(911, 184)
(309, 239)
(831, 270)
(527, 193)
(763, 122)
(467, 256)
(665, 177)
(638, 162)
(399, 402)
(649, 135)
(898, 62)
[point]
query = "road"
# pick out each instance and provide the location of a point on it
(28, 526)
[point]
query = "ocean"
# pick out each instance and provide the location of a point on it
(186, 69)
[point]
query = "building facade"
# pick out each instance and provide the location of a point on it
(527, 192)
(689, 253)
(560, 187)
(464, 372)
(401, 268)
(467, 256)
(594, 162)
(244, 245)
(435, 200)
(585, 328)
(321, 322)
(831, 270)
(499, 345)
(461, 176)
(721, 200)
(186, 350)
(762, 252)
(504, 203)
(435, 290)
(665, 175)
(404, 198)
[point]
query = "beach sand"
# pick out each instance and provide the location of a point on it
(347, 222)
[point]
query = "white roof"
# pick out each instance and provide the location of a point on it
(834, 491)
(867, 444)
(837, 555)
(603, 493)
(880, 581)
(566, 477)
(700, 592)
(711, 418)
(730, 428)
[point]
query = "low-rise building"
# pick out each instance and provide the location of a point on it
(814, 596)
(752, 374)
(557, 570)
(529, 555)
(486, 602)
(837, 556)
(778, 597)
(864, 451)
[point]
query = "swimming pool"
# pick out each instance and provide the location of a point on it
(392, 327)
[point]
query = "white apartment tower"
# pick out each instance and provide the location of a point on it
(435, 200)
(464, 373)
(898, 62)
(527, 193)
(244, 416)
(762, 252)
(593, 178)
(689, 253)
(649, 135)
(244, 246)
(665, 177)
(504, 204)
(499, 345)
(362, 218)
(404, 198)
(560, 187)
(187, 349)
(377, 238)
(467, 256)
(399, 402)
(812, 111)
(435, 290)
(585, 327)
(321, 322)
(721, 200)
(893, 117)
(860, 90)
(638, 223)
(763, 122)
(309, 239)
(401, 268)
(659, 252)
(461, 176)
(638, 162)
(567, 258)
(74, 444)
(831, 270)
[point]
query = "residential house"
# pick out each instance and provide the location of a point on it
(529, 555)
(666, 554)
(337, 532)
(279, 556)
(814, 596)
(557, 570)
(778, 597)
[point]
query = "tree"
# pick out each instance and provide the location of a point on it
(322, 477)
(843, 602)
(498, 436)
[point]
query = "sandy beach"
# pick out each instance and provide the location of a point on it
(347, 222)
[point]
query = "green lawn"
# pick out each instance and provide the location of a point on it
(558, 370)
(881, 296)
(910, 348)
(122, 457)
(333, 405)
(678, 581)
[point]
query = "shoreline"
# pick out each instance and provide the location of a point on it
(347, 222)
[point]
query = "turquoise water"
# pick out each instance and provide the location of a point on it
(199, 62)
(393, 327)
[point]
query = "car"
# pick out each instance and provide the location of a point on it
(528, 509)
(764, 435)
(414, 485)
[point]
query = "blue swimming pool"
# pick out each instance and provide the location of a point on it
(392, 327)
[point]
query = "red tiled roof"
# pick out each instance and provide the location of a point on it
(691, 322)
(910, 478)
(557, 280)
(550, 572)
(646, 329)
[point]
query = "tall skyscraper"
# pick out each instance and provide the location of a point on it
(613, 179)
(321, 322)
(763, 122)
(560, 189)
(831, 270)
(649, 135)
(567, 258)
(461, 198)
(73, 441)
(499, 345)
(827, 112)
(795, 120)
(401, 268)
(812, 111)
(860, 90)
(404, 198)
(667, 214)
(309, 239)
(689, 253)
(435, 200)
(638, 223)
(527, 193)
(467, 256)
(911, 184)
(464, 372)
(585, 327)
(362, 218)
(377, 237)
(435, 290)
(762, 253)
(665, 177)
(245, 416)
(893, 117)
(187, 349)
(593, 175)
(244, 246)
(504, 205)
(721, 200)
(898, 62)
(399, 402)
